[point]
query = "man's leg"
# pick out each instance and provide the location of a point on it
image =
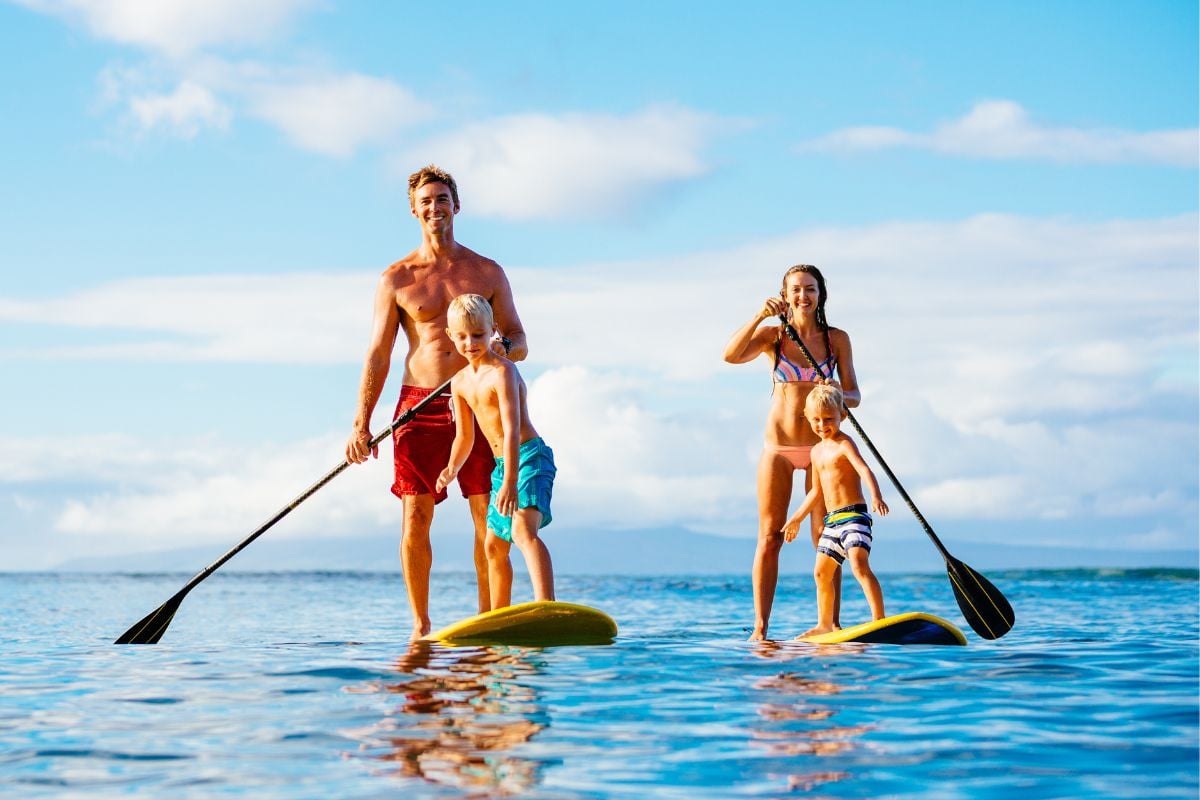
(479, 506)
(416, 558)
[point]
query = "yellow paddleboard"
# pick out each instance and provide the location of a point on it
(911, 628)
(538, 624)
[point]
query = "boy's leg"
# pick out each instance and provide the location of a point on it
(479, 505)
(526, 523)
(499, 571)
(817, 519)
(866, 577)
(823, 572)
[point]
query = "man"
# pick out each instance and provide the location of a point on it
(413, 296)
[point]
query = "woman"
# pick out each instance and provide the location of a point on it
(789, 438)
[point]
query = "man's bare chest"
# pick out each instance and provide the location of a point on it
(426, 300)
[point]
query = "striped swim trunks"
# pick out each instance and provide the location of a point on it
(845, 528)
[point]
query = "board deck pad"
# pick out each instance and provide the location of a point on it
(911, 628)
(539, 624)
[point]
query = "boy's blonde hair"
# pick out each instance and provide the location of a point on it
(824, 397)
(471, 308)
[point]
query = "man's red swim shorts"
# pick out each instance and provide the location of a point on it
(422, 448)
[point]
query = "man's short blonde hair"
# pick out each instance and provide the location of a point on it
(824, 397)
(430, 174)
(471, 308)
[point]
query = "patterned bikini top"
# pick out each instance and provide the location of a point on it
(785, 371)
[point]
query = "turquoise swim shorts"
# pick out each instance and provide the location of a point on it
(535, 482)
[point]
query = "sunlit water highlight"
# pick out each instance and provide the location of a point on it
(301, 685)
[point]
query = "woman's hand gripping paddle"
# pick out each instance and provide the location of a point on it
(983, 606)
(150, 628)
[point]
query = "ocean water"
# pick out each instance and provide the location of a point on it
(303, 686)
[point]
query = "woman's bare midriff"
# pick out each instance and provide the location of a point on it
(786, 425)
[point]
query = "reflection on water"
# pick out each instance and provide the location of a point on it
(796, 718)
(460, 712)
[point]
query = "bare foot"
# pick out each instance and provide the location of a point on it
(421, 630)
(757, 636)
(817, 631)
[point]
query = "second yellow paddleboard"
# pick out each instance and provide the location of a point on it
(911, 628)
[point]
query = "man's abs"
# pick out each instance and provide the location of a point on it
(432, 363)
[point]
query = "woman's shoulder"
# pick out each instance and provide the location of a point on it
(838, 337)
(835, 333)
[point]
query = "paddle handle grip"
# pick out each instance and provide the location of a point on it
(795, 337)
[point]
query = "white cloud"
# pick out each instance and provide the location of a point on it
(239, 318)
(176, 27)
(623, 463)
(330, 113)
(1012, 368)
(1002, 129)
(183, 113)
(199, 489)
(335, 115)
(543, 166)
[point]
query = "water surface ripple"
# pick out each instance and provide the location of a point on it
(301, 685)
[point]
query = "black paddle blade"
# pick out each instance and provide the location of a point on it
(986, 610)
(150, 628)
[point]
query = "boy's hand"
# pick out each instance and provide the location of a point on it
(444, 479)
(506, 500)
(791, 528)
(879, 507)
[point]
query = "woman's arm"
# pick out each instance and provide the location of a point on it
(749, 340)
(840, 340)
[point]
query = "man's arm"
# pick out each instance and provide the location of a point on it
(384, 326)
(504, 311)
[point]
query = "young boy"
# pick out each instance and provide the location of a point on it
(839, 472)
(489, 388)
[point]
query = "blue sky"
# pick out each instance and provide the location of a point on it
(198, 197)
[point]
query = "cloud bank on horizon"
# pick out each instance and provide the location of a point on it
(1038, 368)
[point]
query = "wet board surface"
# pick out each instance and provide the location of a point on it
(911, 628)
(540, 623)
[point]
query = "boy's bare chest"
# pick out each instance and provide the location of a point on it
(828, 460)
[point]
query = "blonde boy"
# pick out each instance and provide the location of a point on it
(839, 473)
(490, 389)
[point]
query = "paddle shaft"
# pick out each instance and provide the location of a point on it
(307, 493)
(795, 337)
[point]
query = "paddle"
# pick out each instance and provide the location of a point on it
(983, 606)
(151, 628)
